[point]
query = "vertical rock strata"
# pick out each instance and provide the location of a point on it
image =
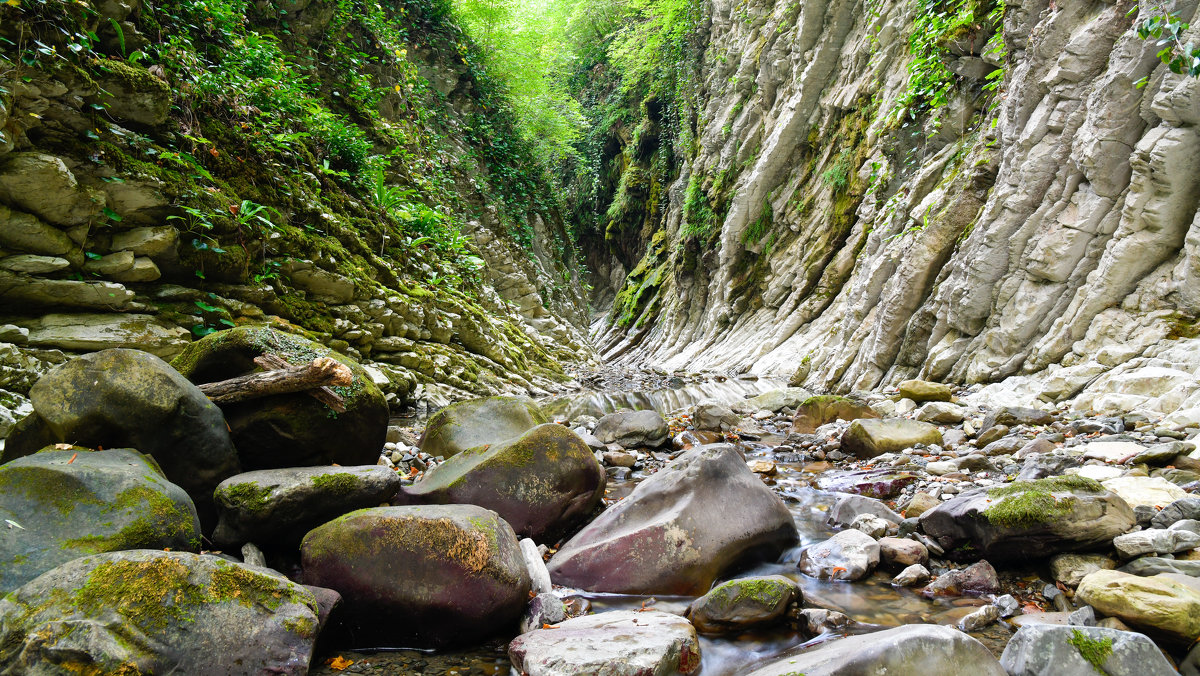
(1048, 228)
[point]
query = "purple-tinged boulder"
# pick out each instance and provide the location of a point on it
(679, 529)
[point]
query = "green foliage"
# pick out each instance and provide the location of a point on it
(699, 221)
(939, 23)
(837, 176)
(1095, 651)
(1167, 30)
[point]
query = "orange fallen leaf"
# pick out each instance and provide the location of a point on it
(413, 471)
(214, 152)
(73, 458)
(338, 663)
(835, 570)
(548, 626)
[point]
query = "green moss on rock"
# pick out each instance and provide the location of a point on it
(1094, 650)
(1024, 504)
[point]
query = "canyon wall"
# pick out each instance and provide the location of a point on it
(1042, 235)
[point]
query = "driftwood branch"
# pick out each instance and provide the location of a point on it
(315, 378)
(323, 394)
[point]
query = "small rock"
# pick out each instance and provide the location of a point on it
(1007, 605)
(977, 578)
(901, 552)
(912, 576)
(979, 619)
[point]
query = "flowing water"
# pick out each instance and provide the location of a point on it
(871, 603)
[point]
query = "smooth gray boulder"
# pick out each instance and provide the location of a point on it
(850, 506)
(633, 429)
(155, 612)
(474, 423)
(1153, 565)
(71, 503)
(848, 555)
(277, 507)
(1179, 510)
(1056, 650)
(1155, 541)
(913, 649)
(679, 529)
(617, 643)
(714, 417)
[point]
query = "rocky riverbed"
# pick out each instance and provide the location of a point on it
(913, 530)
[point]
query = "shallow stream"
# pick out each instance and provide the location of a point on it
(872, 602)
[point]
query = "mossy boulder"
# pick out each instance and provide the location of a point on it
(679, 529)
(131, 399)
(1028, 519)
(923, 390)
(743, 603)
(824, 409)
(277, 507)
(70, 503)
(1163, 605)
(289, 430)
(474, 423)
(419, 576)
(154, 612)
(543, 482)
(866, 439)
(1049, 650)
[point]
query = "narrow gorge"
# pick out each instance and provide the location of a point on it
(571, 337)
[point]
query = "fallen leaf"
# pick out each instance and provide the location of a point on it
(73, 458)
(413, 471)
(548, 626)
(13, 524)
(214, 152)
(338, 663)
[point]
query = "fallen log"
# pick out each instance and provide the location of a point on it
(280, 377)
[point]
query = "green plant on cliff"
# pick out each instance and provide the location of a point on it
(937, 25)
(1167, 30)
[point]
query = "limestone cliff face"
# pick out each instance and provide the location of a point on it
(1046, 234)
(122, 221)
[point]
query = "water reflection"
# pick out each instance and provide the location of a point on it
(728, 391)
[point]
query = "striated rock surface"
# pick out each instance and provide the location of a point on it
(1045, 235)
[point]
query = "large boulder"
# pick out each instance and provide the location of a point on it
(154, 612)
(743, 603)
(848, 555)
(130, 399)
(290, 430)
(474, 423)
(1025, 520)
(423, 576)
(633, 429)
(871, 483)
(277, 507)
(918, 649)
(714, 417)
(543, 483)
(617, 643)
(823, 409)
(71, 503)
(869, 438)
(678, 529)
(1157, 604)
(1056, 650)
